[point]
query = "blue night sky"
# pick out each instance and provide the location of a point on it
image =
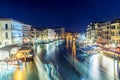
(74, 15)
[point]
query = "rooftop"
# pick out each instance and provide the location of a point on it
(9, 19)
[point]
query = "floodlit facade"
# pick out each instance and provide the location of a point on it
(47, 35)
(27, 33)
(11, 32)
(92, 32)
(105, 32)
(115, 32)
(35, 35)
(110, 32)
(60, 32)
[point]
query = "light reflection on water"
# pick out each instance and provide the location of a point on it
(6, 71)
(99, 67)
(27, 71)
(110, 66)
(74, 50)
(20, 74)
(103, 68)
(94, 73)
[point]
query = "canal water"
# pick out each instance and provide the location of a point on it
(27, 71)
(62, 61)
(70, 64)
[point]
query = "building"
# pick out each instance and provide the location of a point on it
(115, 32)
(47, 35)
(104, 32)
(60, 32)
(27, 33)
(35, 35)
(92, 32)
(11, 32)
(109, 32)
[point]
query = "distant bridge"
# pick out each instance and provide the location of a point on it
(70, 41)
(70, 37)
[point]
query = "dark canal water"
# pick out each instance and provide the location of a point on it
(60, 61)
(70, 64)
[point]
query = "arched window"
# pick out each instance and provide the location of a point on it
(6, 26)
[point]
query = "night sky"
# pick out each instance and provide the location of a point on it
(74, 15)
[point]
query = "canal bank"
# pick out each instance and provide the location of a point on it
(111, 54)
